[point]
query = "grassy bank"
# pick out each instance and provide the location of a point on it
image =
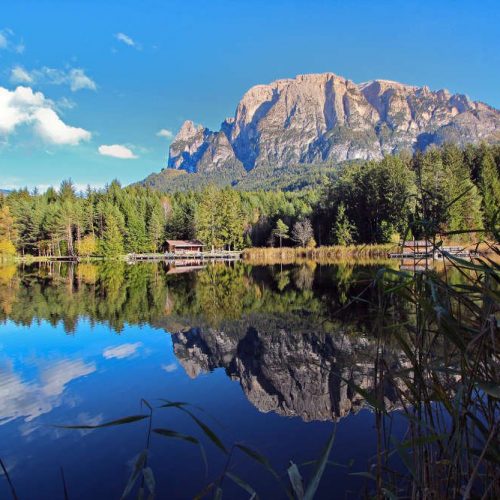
(333, 254)
(291, 255)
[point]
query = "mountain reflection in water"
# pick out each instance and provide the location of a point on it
(282, 332)
(84, 343)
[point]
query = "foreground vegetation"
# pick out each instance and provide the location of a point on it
(366, 203)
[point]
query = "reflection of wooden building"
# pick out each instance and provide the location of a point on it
(184, 246)
(186, 266)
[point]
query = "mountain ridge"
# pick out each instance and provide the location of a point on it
(324, 119)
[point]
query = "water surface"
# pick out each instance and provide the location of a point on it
(268, 354)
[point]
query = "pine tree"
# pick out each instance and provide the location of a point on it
(281, 231)
(209, 223)
(232, 223)
(343, 229)
(156, 226)
(490, 188)
(111, 244)
(463, 201)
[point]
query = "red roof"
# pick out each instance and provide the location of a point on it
(185, 243)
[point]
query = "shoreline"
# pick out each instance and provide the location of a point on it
(259, 255)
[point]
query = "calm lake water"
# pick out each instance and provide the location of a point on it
(263, 352)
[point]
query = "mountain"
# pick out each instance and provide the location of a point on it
(324, 119)
(4, 191)
(307, 375)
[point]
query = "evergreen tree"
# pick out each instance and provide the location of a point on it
(343, 229)
(111, 244)
(463, 201)
(155, 226)
(232, 222)
(209, 218)
(281, 231)
(490, 188)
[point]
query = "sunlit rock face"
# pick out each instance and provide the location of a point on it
(318, 118)
(306, 375)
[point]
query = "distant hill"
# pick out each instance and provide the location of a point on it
(4, 191)
(321, 120)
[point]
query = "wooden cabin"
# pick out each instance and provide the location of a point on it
(184, 246)
(416, 247)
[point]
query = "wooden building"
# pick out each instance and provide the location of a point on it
(416, 247)
(184, 246)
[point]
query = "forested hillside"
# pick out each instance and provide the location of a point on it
(442, 190)
(267, 178)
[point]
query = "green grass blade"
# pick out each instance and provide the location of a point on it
(241, 483)
(318, 473)
(149, 479)
(136, 472)
(120, 421)
(261, 459)
(296, 480)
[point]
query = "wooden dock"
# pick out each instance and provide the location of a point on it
(438, 253)
(227, 255)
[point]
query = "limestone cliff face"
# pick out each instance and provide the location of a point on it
(327, 118)
(291, 374)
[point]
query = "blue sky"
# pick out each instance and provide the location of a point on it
(102, 74)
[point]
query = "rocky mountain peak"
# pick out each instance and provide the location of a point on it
(188, 130)
(318, 118)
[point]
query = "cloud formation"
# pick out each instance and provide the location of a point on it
(7, 42)
(117, 151)
(19, 75)
(127, 40)
(170, 367)
(75, 78)
(165, 133)
(22, 106)
(121, 351)
(3, 41)
(30, 399)
(78, 80)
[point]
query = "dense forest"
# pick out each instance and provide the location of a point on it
(443, 190)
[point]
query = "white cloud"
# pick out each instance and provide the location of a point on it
(117, 151)
(75, 78)
(165, 133)
(22, 106)
(52, 129)
(79, 80)
(19, 75)
(122, 37)
(30, 399)
(7, 42)
(121, 351)
(170, 367)
(65, 103)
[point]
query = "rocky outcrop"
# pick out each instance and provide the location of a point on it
(307, 375)
(197, 149)
(320, 118)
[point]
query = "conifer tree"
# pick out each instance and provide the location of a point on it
(281, 231)
(490, 188)
(112, 241)
(343, 229)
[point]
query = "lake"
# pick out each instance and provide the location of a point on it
(265, 356)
